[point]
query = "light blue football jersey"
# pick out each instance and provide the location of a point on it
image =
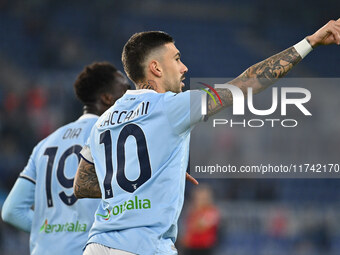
(61, 223)
(140, 148)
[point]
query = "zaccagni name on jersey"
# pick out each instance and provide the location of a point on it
(118, 117)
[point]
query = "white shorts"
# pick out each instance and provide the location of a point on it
(98, 249)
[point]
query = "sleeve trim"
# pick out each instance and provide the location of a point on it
(27, 178)
(86, 159)
(303, 48)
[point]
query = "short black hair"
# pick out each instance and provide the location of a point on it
(137, 49)
(95, 79)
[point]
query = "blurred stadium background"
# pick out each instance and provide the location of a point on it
(45, 44)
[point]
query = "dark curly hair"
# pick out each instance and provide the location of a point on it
(137, 49)
(95, 79)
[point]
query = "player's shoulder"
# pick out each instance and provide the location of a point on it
(171, 97)
(139, 93)
(142, 94)
(53, 135)
(186, 93)
(86, 120)
(133, 98)
(71, 129)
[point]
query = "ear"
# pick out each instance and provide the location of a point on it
(106, 99)
(155, 68)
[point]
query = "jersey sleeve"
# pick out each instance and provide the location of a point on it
(30, 171)
(184, 110)
(85, 153)
(17, 207)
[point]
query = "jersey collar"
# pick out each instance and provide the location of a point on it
(87, 116)
(140, 91)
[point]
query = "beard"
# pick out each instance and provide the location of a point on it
(174, 87)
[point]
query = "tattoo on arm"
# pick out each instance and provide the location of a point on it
(226, 98)
(259, 77)
(269, 70)
(86, 183)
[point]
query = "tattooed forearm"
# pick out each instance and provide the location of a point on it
(266, 72)
(226, 98)
(86, 183)
(259, 77)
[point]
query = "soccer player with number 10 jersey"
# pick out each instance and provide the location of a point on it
(139, 148)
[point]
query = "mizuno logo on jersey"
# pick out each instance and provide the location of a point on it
(66, 227)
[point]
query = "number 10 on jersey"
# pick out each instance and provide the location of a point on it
(143, 159)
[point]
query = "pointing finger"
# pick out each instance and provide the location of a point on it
(191, 179)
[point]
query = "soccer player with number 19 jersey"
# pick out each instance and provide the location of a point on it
(59, 224)
(139, 148)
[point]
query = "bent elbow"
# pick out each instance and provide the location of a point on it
(76, 191)
(78, 196)
(6, 214)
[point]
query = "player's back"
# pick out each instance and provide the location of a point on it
(61, 222)
(140, 150)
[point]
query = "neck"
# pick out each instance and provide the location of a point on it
(149, 84)
(92, 109)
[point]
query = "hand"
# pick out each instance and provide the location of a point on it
(328, 34)
(191, 179)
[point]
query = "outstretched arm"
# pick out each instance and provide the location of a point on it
(85, 182)
(265, 73)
